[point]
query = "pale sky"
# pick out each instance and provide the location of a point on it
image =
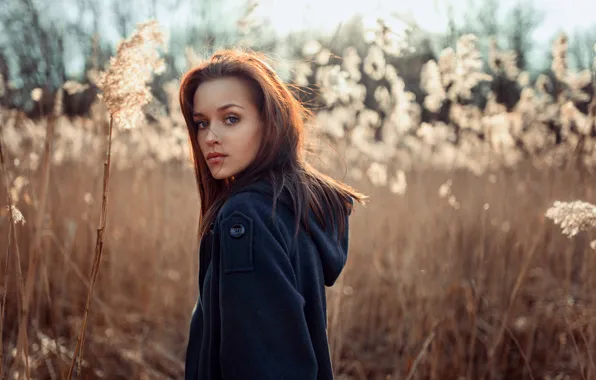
(431, 15)
(291, 15)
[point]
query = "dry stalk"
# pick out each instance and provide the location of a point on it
(5, 290)
(35, 247)
(589, 351)
(505, 320)
(423, 351)
(12, 235)
(473, 300)
(97, 257)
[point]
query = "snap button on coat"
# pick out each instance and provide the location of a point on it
(237, 231)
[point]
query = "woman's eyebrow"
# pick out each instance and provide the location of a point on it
(219, 109)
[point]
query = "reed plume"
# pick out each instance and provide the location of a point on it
(124, 90)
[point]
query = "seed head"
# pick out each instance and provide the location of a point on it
(73, 87)
(36, 94)
(124, 84)
(17, 215)
(573, 217)
(559, 52)
(398, 185)
(377, 173)
(445, 189)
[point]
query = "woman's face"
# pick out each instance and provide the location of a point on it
(228, 123)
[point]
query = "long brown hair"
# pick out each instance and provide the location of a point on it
(280, 157)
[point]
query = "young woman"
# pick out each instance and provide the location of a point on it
(273, 230)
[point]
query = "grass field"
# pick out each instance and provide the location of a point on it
(442, 293)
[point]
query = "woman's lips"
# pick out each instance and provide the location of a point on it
(216, 159)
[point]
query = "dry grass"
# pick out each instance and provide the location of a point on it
(494, 292)
(429, 292)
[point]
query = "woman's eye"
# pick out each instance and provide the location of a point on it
(232, 119)
(201, 124)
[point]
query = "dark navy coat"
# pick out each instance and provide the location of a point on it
(261, 312)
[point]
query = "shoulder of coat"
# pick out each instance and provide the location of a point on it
(250, 203)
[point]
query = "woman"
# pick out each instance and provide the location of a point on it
(273, 231)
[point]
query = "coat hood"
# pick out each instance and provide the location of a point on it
(332, 249)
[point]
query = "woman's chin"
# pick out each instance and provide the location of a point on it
(221, 174)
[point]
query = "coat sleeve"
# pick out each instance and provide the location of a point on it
(264, 334)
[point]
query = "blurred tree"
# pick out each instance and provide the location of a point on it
(449, 39)
(35, 47)
(480, 18)
(96, 52)
(91, 10)
(123, 16)
(203, 27)
(483, 18)
(581, 48)
(523, 20)
(4, 67)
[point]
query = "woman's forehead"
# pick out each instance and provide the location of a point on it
(218, 92)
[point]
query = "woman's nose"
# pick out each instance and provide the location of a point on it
(211, 136)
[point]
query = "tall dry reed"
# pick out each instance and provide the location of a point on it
(125, 90)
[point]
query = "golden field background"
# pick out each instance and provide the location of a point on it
(426, 286)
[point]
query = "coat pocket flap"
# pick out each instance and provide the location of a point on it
(236, 233)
